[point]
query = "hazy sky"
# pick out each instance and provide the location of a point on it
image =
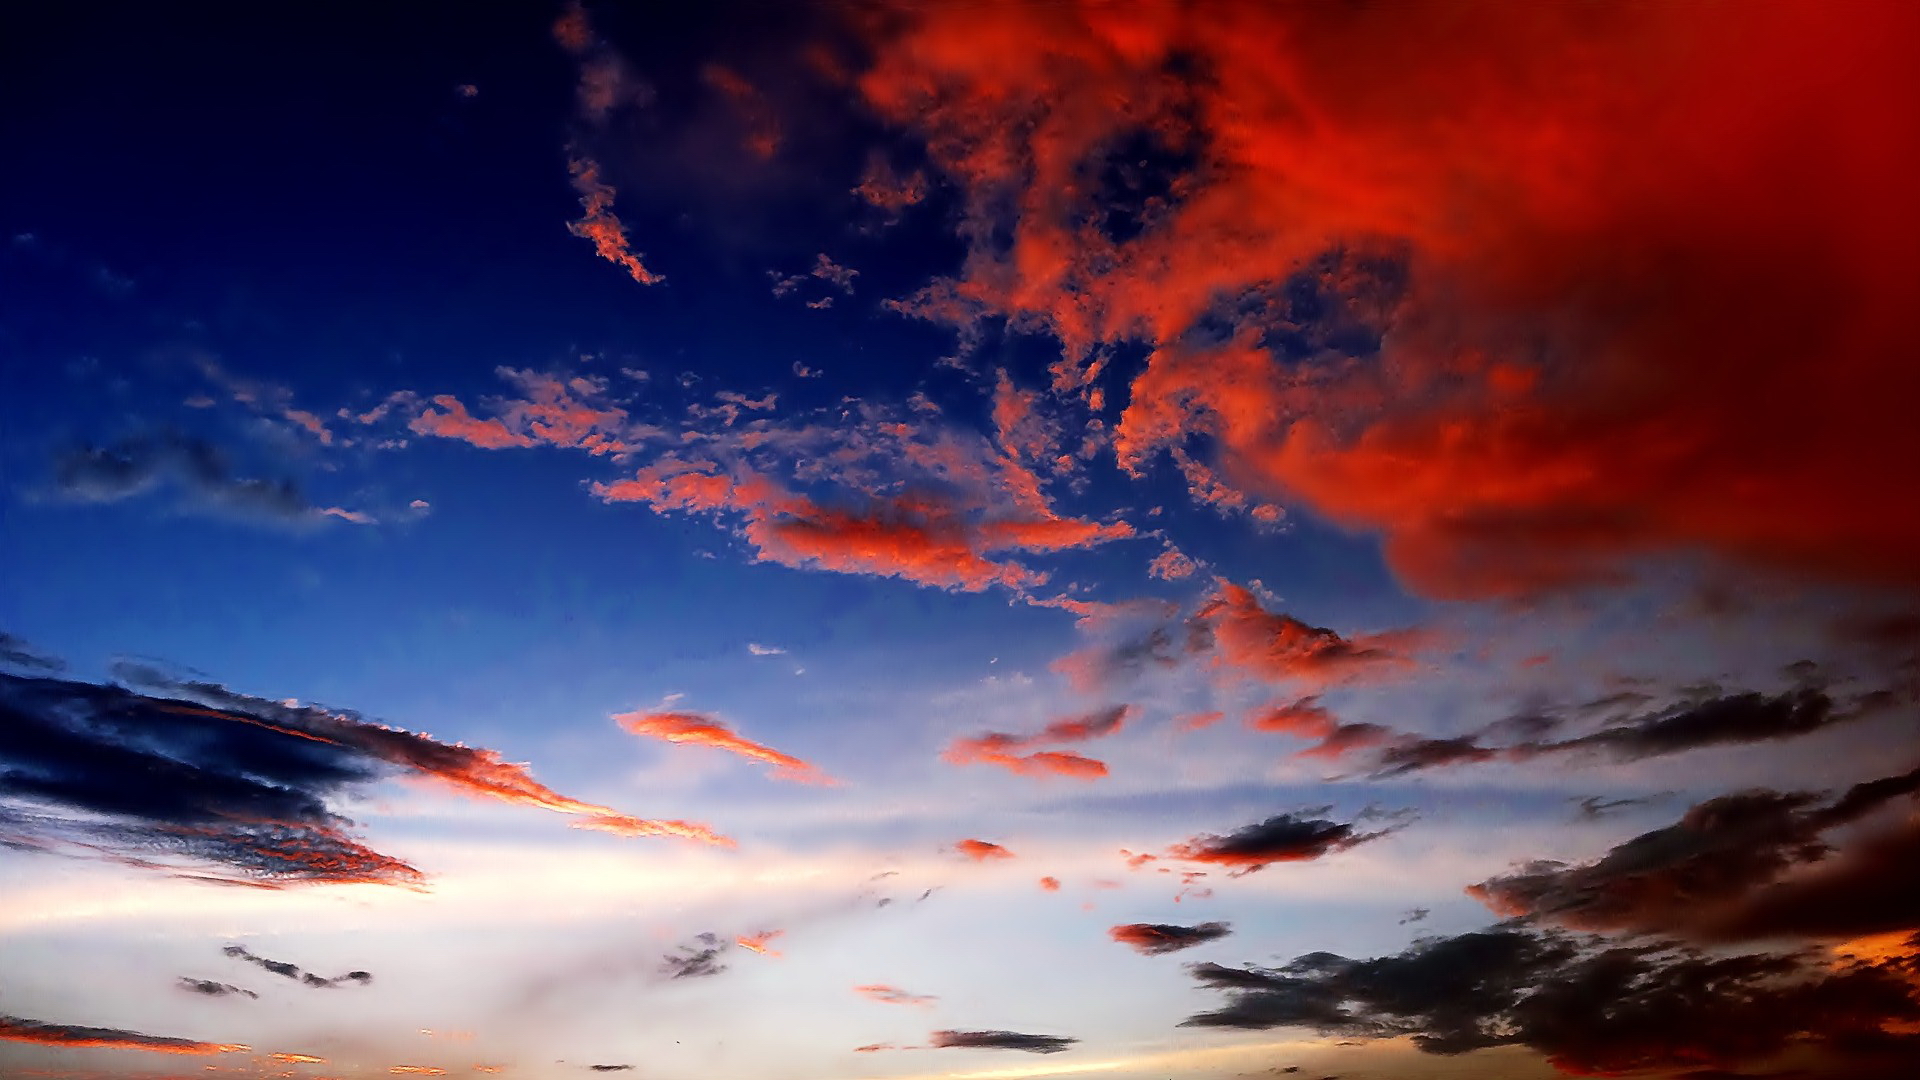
(975, 540)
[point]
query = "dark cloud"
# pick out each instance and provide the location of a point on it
(1415, 915)
(1587, 1006)
(290, 971)
(191, 770)
(697, 960)
(20, 1029)
(1595, 807)
(1001, 1040)
(18, 652)
(200, 470)
(129, 775)
(213, 989)
(1707, 717)
(1281, 838)
(610, 1068)
(1156, 939)
(1747, 866)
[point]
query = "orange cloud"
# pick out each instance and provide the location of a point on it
(758, 942)
(18, 1029)
(298, 1059)
(892, 995)
(1005, 751)
(599, 224)
(694, 729)
(417, 1070)
(1583, 231)
(1171, 565)
(1050, 884)
(981, 850)
(456, 423)
(1248, 639)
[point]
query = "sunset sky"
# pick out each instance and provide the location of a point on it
(886, 540)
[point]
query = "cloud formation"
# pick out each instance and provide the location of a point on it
(982, 850)
(209, 988)
(1590, 1008)
(697, 730)
(1749, 866)
(696, 960)
(893, 995)
(291, 971)
(1278, 839)
(1015, 752)
(18, 1029)
(199, 470)
(198, 772)
(1157, 939)
(1562, 248)
(1001, 1040)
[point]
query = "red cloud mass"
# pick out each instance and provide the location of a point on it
(700, 730)
(1654, 290)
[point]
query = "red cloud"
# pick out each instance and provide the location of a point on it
(1588, 225)
(705, 731)
(457, 423)
(1006, 751)
(981, 850)
(892, 995)
(1050, 884)
(1248, 639)
(923, 540)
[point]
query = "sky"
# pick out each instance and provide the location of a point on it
(880, 540)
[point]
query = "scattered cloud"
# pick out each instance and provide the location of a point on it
(1015, 752)
(198, 469)
(290, 971)
(981, 850)
(1157, 939)
(893, 995)
(696, 960)
(695, 729)
(209, 988)
(1278, 839)
(1001, 1040)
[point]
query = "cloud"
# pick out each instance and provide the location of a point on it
(20, 653)
(610, 1068)
(1564, 248)
(1001, 1040)
(290, 971)
(1281, 838)
(17, 1029)
(197, 468)
(209, 988)
(1691, 724)
(297, 1059)
(694, 729)
(1157, 939)
(1590, 1008)
(194, 771)
(1741, 867)
(981, 850)
(765, 650)
(456, 423)
(1008, 751)
(824, 270)
(759, 942)
(1050, 884)
(893, 995)
(697, 960)
(1171, 565)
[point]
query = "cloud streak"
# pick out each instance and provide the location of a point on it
(693, 729)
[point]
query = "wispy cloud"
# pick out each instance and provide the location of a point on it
(18, 1029)
(697, 730)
